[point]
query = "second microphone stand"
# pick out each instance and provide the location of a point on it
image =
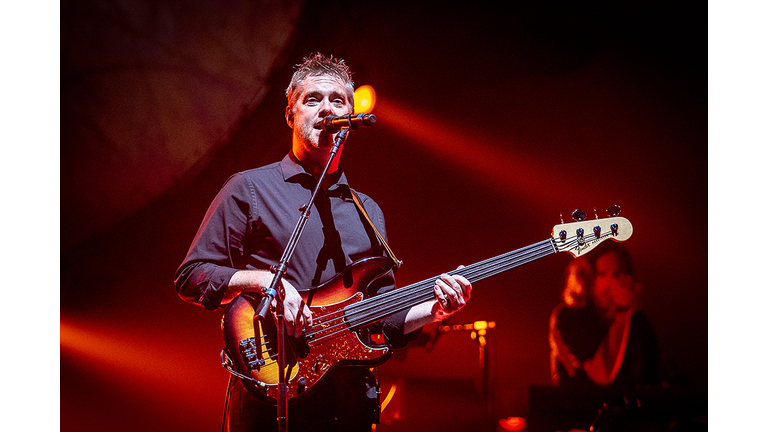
(275, 291)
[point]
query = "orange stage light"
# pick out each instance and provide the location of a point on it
(513, 424)
(130, 357)
(152, 371)
(365, 99)
(389, 396)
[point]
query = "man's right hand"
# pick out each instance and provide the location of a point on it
(297, 315)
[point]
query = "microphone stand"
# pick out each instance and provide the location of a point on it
(276, 290)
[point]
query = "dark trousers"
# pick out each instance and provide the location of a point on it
(343, 402)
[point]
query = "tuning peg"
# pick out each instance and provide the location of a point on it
(613, 210)
(580, 236)
(578, 215)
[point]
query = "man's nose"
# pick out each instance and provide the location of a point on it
(326, 108)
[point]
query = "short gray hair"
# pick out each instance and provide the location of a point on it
(318, 64)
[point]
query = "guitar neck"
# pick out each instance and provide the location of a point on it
(373, 309)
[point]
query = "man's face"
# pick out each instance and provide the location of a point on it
(320, 96)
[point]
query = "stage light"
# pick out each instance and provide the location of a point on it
(513, 168)
(513, 424)
(389, 397)
(365, 99)
(131, 356)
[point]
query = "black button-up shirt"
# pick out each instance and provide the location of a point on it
(250, 222)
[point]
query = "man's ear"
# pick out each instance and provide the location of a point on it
(289, 117)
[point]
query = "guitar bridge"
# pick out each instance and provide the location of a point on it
(250, 353)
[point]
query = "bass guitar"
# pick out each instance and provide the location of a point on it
(341, 312)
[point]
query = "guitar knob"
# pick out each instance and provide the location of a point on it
(301, 385)
(578, 215)
(613, 210)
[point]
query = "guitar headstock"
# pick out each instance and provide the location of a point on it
(578, 238)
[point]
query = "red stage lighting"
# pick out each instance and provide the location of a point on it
(365, 99)
(512, 424)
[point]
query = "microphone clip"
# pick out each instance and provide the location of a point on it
(334, 123)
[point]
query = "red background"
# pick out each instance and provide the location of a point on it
(491, 124)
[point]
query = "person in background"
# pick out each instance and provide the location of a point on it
(574, 326)
(599, 336)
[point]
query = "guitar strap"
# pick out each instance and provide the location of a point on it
(397, 264)
(391, 254)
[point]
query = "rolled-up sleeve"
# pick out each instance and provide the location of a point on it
(203, 276)
(393, 329)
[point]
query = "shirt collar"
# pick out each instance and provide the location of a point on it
(294, 172)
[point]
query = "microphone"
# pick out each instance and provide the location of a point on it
(333, 124)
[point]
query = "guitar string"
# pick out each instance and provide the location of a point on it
(325, 324)
(477, 271)
(342, 328)
(322, 322)
(417, 293)
(408, 290)
(426, 293)
(422, 291)
(474, 272)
